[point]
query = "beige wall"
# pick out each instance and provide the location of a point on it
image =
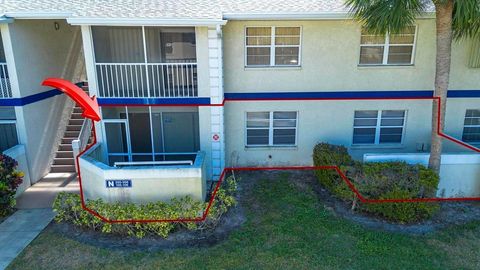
(332, 121)
(330, 54)
(40, 51)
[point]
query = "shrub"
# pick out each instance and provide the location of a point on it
(325, 154)
(68, 209)
(382, 180)
(10, 179)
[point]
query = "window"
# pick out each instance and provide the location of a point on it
(391, 49)
(2, 52)
(272, 46)
(8, 128)
(271, 128)
(368, 129)
(471, 130)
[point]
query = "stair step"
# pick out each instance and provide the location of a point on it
(72, 134)
(68, 140)
(76, 116)
(76, 122)
(77, 110)
(62, 168)
(74, 127)
(65, 147)
(64, 154)
(63, 161)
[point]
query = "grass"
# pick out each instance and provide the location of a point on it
(287, 228)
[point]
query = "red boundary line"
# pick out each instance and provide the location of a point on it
(336, 168)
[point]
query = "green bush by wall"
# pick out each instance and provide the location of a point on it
(10, 179)
(68, 209)
(385, 180)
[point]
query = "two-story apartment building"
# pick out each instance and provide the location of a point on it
(187, 88)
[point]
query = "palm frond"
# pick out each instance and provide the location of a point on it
(466, 19)
(382, 16)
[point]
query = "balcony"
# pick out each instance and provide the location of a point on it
(5, 87)
(145, 62)
(162, 80)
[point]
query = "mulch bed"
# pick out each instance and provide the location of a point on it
(450, 213)
(182, 238)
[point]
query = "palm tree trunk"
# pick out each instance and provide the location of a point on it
(444, 14)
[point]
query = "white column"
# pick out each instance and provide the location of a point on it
(215, 61)
(89, 59)
(89, 55)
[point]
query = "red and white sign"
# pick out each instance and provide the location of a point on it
(216, 137)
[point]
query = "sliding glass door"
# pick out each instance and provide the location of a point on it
(134, 134)
(117, 140)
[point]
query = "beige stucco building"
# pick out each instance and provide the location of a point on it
(199, 87)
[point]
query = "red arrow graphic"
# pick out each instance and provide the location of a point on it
(89, 105)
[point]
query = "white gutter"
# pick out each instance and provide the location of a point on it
(4, 20)
(40, 15)
(300, 16)
(287, 16)
(145, 21)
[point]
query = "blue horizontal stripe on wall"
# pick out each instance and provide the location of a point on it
(463, 93)
(30, 99)
(33, 98)
(154, 101)
(349, 95)
(250, 96)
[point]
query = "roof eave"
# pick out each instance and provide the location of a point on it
(144, 21)
(40, 15)
(301, 16)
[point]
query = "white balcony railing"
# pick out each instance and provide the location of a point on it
(5, 87)
(159, 80)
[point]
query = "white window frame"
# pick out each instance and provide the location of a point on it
(271, 129)
(386, 49)
(127, 131)
(473, 126)
(378, 127)
(272, 47)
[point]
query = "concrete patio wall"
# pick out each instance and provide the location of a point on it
(148, 183)
(459, 173)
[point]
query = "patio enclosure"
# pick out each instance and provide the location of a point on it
(150, 134)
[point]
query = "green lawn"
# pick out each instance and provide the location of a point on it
(287, 228)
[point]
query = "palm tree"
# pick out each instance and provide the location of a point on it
(455, 19)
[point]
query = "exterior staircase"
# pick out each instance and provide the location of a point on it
(64, 161)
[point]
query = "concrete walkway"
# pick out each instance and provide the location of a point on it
(33, 215)
(42, 193)
(17, 231)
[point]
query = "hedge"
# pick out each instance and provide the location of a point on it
(10, 179)
(68, 209)
(385, 180)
